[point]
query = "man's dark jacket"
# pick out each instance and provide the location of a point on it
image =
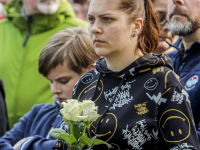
(186, 64)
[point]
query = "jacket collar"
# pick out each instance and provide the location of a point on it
(38, 22)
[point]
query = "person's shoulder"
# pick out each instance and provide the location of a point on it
(172, 53)
(74, 21)
(171, 78)
(4, 21)
(38, 107)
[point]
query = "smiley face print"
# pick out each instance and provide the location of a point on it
(151, 84)
(174, 126)
(89, 90)
(109, 125)
(153, 61)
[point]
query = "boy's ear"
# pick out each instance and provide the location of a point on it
(90, 67)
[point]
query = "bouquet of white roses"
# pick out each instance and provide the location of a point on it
(78, 116)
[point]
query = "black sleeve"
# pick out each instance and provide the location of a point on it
(3, 111)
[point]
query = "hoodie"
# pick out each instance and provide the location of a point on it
(144, 106)
(22, 39)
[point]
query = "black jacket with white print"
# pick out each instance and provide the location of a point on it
(142, 107)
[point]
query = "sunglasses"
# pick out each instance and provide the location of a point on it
(162, 16)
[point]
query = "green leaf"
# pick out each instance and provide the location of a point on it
(98, 142)
(69, 139)
(55, 133)
(77, 130)
(85, 140)
(81, 125)
(75, 147)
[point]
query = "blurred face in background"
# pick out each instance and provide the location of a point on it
(165, 34)
(41, 6)
(81, 8)
(4, 1)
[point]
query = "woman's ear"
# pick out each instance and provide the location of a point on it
(137, 26)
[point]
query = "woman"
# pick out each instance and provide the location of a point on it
(141, 102)
(165, 35)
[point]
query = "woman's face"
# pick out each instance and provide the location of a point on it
(109, 28)
(62, 80)
(165, 34)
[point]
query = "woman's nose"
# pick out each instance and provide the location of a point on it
(95, 28)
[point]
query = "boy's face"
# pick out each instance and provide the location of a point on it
(62, 80)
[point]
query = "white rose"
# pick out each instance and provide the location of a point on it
(70, 110)
(88, 110)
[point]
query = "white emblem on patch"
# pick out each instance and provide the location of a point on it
(191, 83)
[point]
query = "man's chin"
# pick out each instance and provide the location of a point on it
(48, 9)
(163, 46)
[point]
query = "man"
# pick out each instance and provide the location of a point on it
(165, 34)
(184, 20)
(2, 3)
(23, 33)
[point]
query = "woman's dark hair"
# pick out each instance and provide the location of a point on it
(148, 37)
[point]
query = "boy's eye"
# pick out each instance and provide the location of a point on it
(64, 81)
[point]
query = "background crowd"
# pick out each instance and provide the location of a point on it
(46, 42)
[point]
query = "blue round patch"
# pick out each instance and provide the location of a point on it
(191, 83)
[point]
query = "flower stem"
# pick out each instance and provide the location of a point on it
(71, 128)
(84, 130)
(69, 148)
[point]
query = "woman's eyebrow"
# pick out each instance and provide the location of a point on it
(101, 15)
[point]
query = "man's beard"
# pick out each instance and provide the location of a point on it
(182, 28)
(48, 7)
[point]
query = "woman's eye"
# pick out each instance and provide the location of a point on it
(107, 19)
(91, 20)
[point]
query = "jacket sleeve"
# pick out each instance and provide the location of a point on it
(37, 143)
(175, 121)
(15, 134)
(196, 109)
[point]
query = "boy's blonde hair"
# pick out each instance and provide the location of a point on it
(71, 45)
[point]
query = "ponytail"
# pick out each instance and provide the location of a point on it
(149, 35)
